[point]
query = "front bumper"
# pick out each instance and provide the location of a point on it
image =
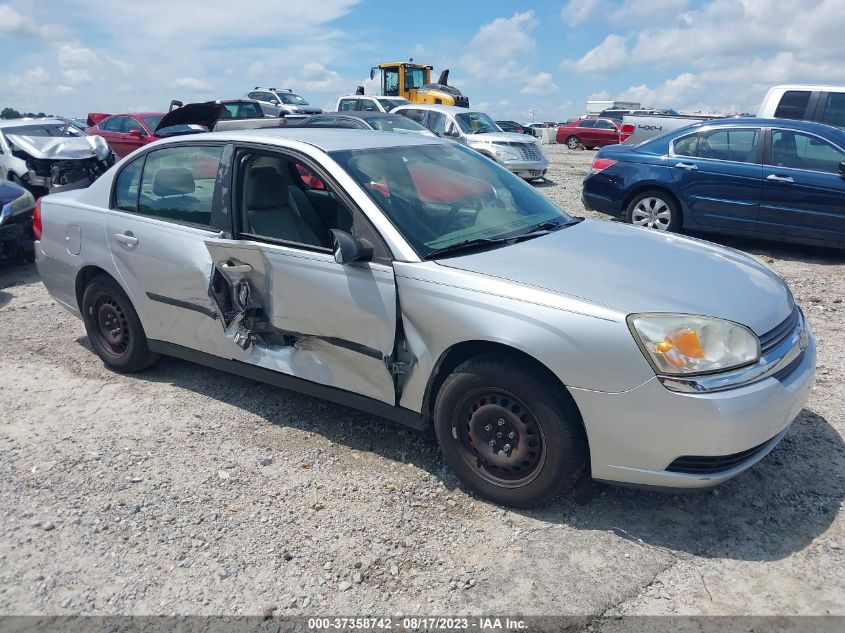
(527, 168)
(636, 436)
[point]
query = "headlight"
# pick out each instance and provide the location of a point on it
(21, 204)
(680, 344)
(504, 153)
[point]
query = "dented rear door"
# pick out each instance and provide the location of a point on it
(299, 312)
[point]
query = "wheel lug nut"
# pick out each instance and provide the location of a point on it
(488, 428)
(511, 435)
(506, 447)
(501, 422)
(492, 442)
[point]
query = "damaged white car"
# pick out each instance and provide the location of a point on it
(51, 155)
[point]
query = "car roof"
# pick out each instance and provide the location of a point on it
(326, 139)
(439, 108)
(33, 121)
(796, 124)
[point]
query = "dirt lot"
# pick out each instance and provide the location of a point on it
(185, 490)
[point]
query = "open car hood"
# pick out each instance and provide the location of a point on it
(206, 114)
(61, 148)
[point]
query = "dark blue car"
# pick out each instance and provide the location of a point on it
(16, 238)
(763, 178)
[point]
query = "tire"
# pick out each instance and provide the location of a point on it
(654, 209)
(573, 142)
(114, 328)
(490, 398)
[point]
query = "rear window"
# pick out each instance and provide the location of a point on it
(793, 104)
(243, 110)
(834, 110)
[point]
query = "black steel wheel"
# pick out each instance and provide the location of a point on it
(114, 328)
(509, 431)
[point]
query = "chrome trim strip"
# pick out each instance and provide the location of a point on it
(779, 357)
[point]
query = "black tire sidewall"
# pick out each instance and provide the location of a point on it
(137, 355)
(675, 223)
(565, 444)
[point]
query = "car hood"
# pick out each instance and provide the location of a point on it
(636, 270)
(500, 137)
(61, 147)
(206, 114)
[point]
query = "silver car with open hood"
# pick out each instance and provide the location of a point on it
(51, 155)
(415, 279)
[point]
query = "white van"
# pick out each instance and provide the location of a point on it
(823, 104)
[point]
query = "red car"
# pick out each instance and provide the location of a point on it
(127, 132)
(590, 132)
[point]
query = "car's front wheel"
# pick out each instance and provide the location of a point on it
(654, 209)
(509, 432)
(114, 328)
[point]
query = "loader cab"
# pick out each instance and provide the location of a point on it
(399, 79)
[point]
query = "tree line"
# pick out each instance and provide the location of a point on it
(11, 113)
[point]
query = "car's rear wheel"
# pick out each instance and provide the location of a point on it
(654, 209)
(573, 142)
(509, 432)
(114, 328)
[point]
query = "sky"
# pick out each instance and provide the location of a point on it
(72, 57)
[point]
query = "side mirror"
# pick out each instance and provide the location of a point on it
(842, 169)
(451, 131)
(136, 132)
(274, 101)
(347, 248)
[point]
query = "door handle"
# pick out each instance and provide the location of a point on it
(126, 238)
(238, 269)
(687, 166)
(776, 178)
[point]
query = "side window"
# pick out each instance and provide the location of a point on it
(587, 123)
(132, 124)
(126, 186)
(605, 125)
(283, 199)
(113, 124)
(415, 115)
(437, 122)
(351, 124)
(252, 95)
(178, 184)
(686, 146)
(735, 145)
(834, 110)
(793, 104)
(804, 151)
(347, 105)
(368, 105)
(325, 121)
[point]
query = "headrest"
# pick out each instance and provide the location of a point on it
(267, 189)
(173, 181)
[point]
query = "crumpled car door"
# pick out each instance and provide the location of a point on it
(301, 313)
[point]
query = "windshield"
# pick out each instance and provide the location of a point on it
(476, 123)
(441, 195)
(152, 121)
(396, 123)
(389, 104)
(291, 99)
(44, 129)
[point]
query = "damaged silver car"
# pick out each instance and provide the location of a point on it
(415, 279)
(51, 155)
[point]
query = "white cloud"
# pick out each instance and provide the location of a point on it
(497, 49)
(13, 23)
(611, 54)
(315, 77)
(540, 84)
(193, 84)
(577, 12)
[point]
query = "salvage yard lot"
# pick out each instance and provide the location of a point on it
(187, 490)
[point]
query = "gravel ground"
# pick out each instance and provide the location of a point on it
(186, 490)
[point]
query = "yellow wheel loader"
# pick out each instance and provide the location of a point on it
(413, 82)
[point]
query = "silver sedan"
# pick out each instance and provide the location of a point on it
(414, 279)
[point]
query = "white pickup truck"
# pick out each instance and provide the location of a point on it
(824, 104)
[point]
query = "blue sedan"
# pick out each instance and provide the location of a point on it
(764, 178)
